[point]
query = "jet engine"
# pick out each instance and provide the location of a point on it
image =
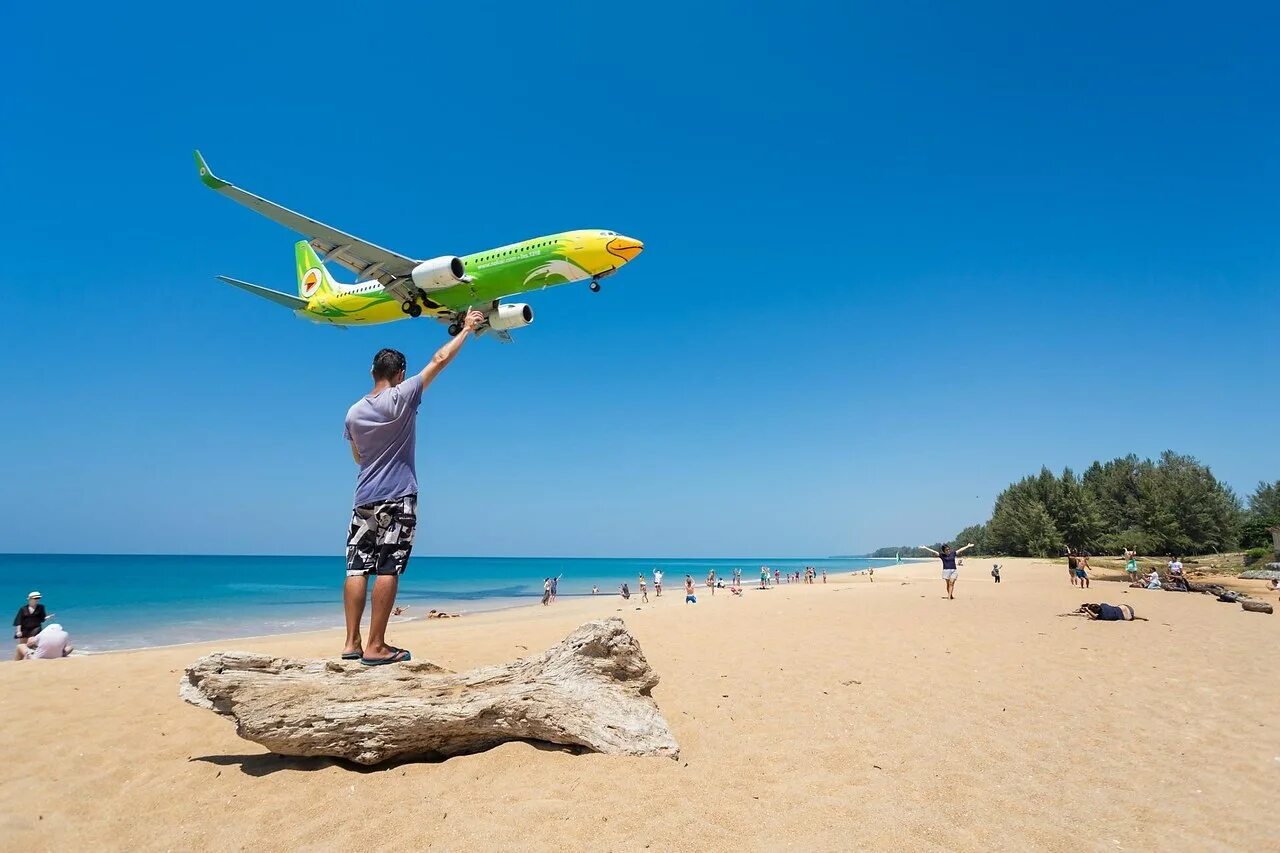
(438, 273)
(510, 316)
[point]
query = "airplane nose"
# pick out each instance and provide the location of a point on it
(625, 247)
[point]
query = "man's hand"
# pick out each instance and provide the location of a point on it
(473, 321)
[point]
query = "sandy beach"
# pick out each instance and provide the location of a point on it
(827, 717)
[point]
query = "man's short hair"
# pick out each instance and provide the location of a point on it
(387, 364)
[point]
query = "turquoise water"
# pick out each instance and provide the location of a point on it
(124, 601)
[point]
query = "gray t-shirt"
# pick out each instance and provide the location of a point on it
(383, 428)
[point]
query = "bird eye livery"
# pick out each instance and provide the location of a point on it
(390, 286)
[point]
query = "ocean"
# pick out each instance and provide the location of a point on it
(115, 601)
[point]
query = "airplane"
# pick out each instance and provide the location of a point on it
(390, 286)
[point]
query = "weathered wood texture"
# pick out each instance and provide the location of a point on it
(590, 690)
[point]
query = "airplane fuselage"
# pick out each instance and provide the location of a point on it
(505, 271)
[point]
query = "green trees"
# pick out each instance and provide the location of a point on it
(1173, 505)
(1264, 513)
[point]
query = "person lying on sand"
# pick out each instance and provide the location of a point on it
(1107, 613)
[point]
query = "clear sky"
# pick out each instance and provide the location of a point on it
(897, 256)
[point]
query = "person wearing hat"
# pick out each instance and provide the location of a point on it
(28, 622)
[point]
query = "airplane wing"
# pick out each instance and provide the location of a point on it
(365, 259)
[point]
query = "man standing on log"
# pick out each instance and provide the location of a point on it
(381, 428)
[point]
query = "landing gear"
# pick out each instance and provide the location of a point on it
(595, 286)
(413, 309)
(454, 329)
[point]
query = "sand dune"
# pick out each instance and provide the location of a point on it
(818, 718)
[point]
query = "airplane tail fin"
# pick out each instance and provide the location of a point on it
(313, 277)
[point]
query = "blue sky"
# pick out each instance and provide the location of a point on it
(896, 258)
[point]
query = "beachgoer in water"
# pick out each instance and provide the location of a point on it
(382, 430)
(657, 582)
(546, 591)
(644, 590)
(27, 624)
(689, 597)
(948, 558)
(995, 572)
(50, 644)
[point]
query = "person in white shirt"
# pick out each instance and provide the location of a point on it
(657, 582)
(1153, 580)
(1175, 567)
(50, 644)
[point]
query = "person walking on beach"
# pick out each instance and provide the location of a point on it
(1073, 566)
(689, 597)
(995, 572)
(711, 581)
(555, 587)
(546, 591)
(1131, 564)
(382, 430)
(871, 573)
(657, 582)
(644, 590)
(948, 558)
(28, 623)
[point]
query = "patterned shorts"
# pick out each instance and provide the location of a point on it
(381, 537)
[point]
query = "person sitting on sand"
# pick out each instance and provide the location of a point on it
(689, 597)
(381, 428)
(948, 558)
(1153, 580)
(1175, 567)
(50, 644)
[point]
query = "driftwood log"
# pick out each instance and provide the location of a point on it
(590, 690)
(1256, 606)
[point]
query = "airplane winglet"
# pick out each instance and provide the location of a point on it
(207, 177)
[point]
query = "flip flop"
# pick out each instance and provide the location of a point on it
(398, 656)
(352, 655)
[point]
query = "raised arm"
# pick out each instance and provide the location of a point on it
(930, 550)
(965, 548)
(445, 354)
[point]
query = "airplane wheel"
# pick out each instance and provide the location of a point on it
(454, 328)
(406, 307)
(415, 310)
(595, 287)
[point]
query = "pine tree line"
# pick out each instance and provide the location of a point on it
(1173, 505)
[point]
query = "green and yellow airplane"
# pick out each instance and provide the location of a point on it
(390, 286)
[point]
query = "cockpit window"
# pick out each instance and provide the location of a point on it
(609, 233)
